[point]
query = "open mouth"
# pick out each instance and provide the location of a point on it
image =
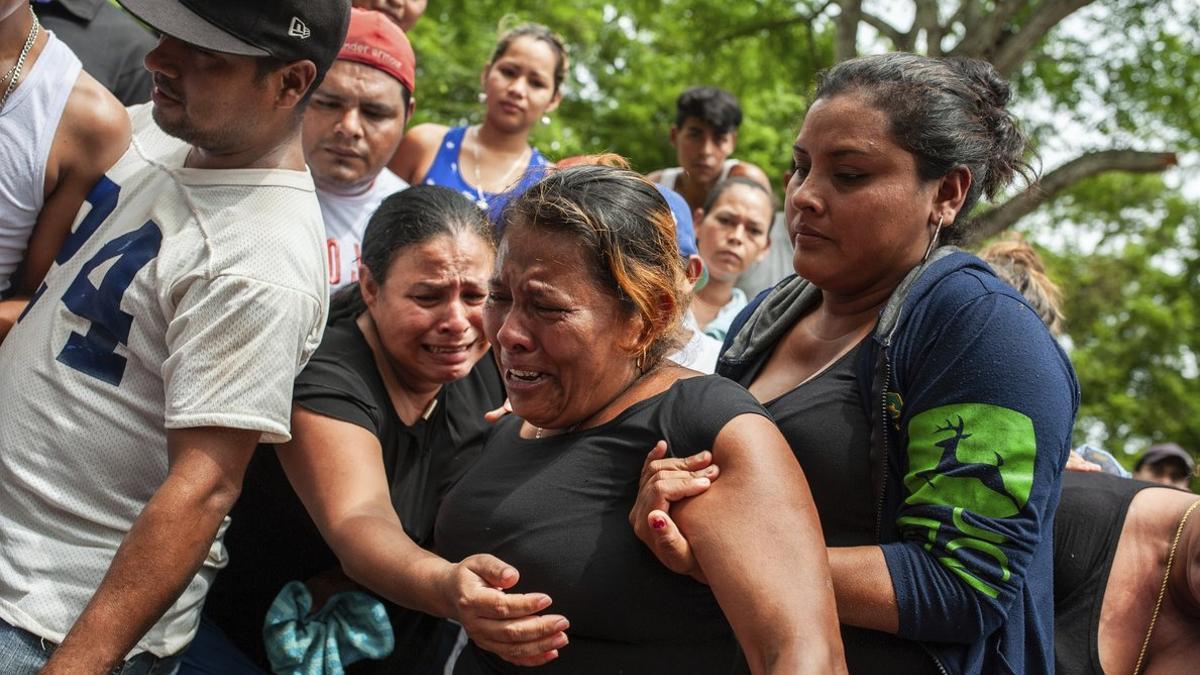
(526, 376)
(457, 349)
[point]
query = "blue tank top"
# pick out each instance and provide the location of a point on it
(445, 171)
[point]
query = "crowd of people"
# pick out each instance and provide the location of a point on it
(295, 389)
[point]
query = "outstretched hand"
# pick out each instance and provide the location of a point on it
(506, 624)
(665, 480)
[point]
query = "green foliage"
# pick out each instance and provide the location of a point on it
(1132, 310)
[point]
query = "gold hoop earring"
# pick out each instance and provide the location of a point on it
(640, 362)
(933, 240)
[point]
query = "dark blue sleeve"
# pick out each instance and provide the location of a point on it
(984, 432)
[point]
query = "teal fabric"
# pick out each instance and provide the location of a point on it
(350, 627)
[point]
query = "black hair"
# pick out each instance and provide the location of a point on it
(715, 107)
(948, 112)
(538, 32)
(717, 190)
(409, 217)
(626, 236)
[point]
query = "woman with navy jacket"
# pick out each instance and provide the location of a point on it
(926, 401)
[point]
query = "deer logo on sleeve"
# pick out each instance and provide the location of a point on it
(971, 463)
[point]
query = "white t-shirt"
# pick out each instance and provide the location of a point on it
(701, 351)
(346, 221)
(183, 298)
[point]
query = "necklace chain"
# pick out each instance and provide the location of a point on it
(14, 73)
(482, 201)
(1162, 591)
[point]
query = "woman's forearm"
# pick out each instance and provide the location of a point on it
(863, 589)
(376, 552)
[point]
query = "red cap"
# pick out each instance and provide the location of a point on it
(377, 42)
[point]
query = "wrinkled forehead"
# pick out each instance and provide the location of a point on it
(530, 253)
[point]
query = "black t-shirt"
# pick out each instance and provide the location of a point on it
(557, 509)
(828, 429)
(1087, 528)
(272, 540)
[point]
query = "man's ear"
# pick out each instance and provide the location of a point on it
(674, 136)
(295, 79)
(951, 193)
(412, 108)
(694, 268)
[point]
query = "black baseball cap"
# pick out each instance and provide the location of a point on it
(289, 30)
(1164, 451)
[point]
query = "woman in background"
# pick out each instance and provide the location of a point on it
(522, 83)
(733, 234)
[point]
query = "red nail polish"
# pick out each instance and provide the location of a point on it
(658, 523)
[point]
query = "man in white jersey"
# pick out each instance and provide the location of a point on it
(61, 130)
(163, 345)
(352, 128)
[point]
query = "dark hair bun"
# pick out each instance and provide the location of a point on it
(992, 94)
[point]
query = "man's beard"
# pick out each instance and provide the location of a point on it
(183, 129)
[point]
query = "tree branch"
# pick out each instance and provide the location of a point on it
(1012, 51)
(1000, 218)
(983, 30)
(775, 24)
(901, 41)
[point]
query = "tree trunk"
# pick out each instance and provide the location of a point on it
(846, 43)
